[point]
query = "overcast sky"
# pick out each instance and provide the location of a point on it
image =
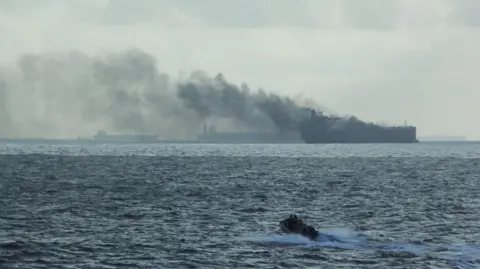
(381, 60)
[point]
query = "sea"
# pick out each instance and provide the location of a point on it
(219, 206)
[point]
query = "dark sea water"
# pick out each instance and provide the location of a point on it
(218, 206)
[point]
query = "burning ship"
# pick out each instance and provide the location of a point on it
(319, 128)
(217, 98)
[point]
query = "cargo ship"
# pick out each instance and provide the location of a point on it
(319, 128)
(102, 136)
(210, 135)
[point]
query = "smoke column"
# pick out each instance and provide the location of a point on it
(71, 94)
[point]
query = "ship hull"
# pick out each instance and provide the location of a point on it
(398, 135)
(361, 142)
(320, 129)
(101, 136)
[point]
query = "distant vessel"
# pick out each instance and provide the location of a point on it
(102, 136)
(319, 128)
(209, 135)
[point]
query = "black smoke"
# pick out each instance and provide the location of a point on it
(216, 97)
(72, 94)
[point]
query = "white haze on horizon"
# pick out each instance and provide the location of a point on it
(380, 60)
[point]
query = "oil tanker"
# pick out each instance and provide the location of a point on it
(319, 128)
(311, 127)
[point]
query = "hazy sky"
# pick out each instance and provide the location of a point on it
(381, 60)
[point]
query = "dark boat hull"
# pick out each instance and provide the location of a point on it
(320, 129)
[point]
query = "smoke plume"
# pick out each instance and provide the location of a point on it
(72, 94)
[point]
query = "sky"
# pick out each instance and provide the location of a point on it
(385, 61)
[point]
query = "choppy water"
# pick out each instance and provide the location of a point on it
(218, 206)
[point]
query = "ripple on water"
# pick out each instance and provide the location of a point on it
(222, 211)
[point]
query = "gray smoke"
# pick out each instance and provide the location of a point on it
(72, 94)
(216, 97)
